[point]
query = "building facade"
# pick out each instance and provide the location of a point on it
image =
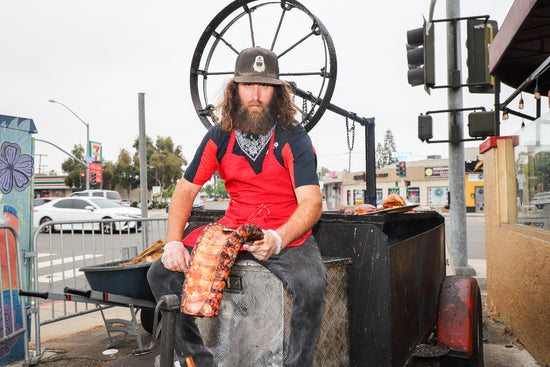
(426, 183)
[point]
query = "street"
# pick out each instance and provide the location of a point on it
(475, 227)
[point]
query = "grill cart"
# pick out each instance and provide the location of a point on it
(389, 301)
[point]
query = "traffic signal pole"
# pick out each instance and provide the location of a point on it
(457, 219)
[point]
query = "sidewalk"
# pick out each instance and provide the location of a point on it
(499, 348)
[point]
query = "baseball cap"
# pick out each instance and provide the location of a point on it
(257, 65)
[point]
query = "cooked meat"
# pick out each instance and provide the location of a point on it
(393, 201)
(150, 254)
(347, 210)
(365, 208)
(211, 260)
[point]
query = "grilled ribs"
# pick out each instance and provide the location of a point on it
(211, 260)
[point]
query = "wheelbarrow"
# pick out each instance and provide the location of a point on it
(114, 285)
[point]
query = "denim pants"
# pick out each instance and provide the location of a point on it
(303, 274)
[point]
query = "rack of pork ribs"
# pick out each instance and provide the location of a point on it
(211, 260)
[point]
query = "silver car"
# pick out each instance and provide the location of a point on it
(86, 209)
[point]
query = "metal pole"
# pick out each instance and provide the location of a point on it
(143, 168)
(87, 155)
(87, 141)
(370, 162)
(457, 172)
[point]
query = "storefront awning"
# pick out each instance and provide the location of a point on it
(522, 44)
(49, 182)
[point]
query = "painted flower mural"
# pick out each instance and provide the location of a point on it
(16, 169)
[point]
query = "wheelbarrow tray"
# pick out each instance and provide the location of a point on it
(129, 280)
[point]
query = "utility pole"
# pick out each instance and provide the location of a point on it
(458, 238)
(40, 162)
(143, 169)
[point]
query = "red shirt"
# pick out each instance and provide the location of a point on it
(260, 179)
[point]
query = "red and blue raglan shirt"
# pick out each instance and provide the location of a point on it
(260, 174)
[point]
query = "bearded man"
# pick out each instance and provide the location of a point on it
(269, 167)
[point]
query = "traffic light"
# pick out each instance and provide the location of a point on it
(82, 178)
(425, 123)
(421, 56)
(481, 124)
(401, 169)
(480, 34)
(407, 183)
(93, 177)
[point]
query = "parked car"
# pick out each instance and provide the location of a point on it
(106, 194)
(540, 199)
(198, 203)
(86, 209)
(44, 200)
(149, 204)
(126, 202)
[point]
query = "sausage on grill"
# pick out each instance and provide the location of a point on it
(211, 260)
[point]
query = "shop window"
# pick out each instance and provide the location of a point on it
(413, 195)
(533, 173)
(437, 196)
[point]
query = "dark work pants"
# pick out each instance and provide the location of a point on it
(303, 274)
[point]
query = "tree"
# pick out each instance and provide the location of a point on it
(208, 189)
(541, 170)
(384, 152)
(220, 188)
(73, 168)
(164, 162)
(109, 177)
(125, 170)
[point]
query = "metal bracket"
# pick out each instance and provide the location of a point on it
(454, 129)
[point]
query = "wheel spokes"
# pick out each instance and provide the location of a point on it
(225, 28)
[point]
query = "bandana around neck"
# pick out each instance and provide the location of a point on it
(253, 144)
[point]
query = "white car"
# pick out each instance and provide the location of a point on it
(96, 193)
(86, 209)
(540, 199)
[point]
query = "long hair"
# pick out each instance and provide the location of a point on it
(281, 101)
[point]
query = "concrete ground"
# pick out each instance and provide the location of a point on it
(500, 348)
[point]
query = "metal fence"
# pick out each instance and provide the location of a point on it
(13, 320)
(62, 248)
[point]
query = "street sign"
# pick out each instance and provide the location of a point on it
(401, 156)
(156, 191)
(95, 168)
(95, 151)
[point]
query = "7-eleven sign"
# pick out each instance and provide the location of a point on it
(95, 151)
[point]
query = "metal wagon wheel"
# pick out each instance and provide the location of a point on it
(307, 58)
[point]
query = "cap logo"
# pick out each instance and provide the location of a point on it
(259, 65)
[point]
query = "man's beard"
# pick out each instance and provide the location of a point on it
(254, 122)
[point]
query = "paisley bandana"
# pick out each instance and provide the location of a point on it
(253, 144)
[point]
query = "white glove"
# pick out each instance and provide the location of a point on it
(278, 240)
(168, 246)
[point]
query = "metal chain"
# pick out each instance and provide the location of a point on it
(352, 130)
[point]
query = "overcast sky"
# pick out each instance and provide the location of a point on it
(97, 56)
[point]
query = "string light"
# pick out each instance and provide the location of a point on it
(521, 103)
(522, 123)
(537, 92)
(505, 115)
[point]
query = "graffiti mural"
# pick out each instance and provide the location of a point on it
(16, 195)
